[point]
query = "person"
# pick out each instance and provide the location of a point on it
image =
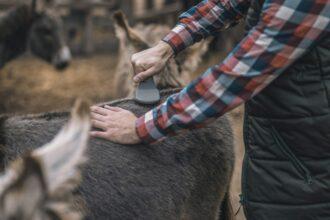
(281, 69)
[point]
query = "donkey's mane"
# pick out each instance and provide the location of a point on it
(60, 114)
(163, 94)
(63, 115)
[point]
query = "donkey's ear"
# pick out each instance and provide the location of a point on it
(61, 158)
(22, 188)
(125, 33)
(39, 6)
(31, 179)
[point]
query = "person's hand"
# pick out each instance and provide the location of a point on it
(151, 61)
(115, 124)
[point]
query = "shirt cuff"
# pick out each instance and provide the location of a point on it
(179, 38)
(146, 129)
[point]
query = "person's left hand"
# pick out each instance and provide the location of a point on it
(115, 124)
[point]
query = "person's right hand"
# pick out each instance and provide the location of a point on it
(151, 61)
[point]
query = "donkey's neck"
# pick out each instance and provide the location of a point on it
(14, 26)
(14, 19)
(2, 140)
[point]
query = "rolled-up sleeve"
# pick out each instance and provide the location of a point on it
(286, 30)
(205, 19)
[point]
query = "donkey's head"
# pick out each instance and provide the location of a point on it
(39, 185)
(46, 35)
(178, 70)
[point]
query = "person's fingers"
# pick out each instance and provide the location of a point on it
(144, 75)
(135, 84)
(98, 134)
(134, 58)
(111, 108)
(137, 65)
(99, 110)
(99, 124)
(98, 117)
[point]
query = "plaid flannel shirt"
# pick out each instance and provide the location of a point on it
(286, 30)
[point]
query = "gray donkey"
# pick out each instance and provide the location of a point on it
(36, 27)
(183, 177)
(39, 185)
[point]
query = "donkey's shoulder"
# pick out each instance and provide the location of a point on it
(137, 108)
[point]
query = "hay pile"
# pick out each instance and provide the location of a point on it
(28, 85)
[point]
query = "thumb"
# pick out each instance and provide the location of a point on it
(144, 75)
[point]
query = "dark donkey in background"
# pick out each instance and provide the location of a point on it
(34, 27)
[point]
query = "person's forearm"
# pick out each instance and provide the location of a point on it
(202, 20)
(205, 19)
(269, 48)
(165, 50)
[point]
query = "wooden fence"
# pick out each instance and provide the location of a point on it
(94, 24)
(89, 25)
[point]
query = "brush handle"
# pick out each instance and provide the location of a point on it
(147, 92)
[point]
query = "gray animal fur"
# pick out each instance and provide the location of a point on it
(183, 177)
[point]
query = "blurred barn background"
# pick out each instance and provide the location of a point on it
(29, 85)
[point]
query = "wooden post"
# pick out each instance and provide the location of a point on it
(159, 4)
(88, 45)
(139, 7)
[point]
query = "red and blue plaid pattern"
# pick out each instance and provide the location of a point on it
(286, 30)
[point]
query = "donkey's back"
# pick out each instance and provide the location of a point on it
(182, 177)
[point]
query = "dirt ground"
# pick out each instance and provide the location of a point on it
(28, 85)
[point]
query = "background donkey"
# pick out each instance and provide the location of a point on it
(39, 185)
(36, 27)
(131, 40)
(182, 177)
